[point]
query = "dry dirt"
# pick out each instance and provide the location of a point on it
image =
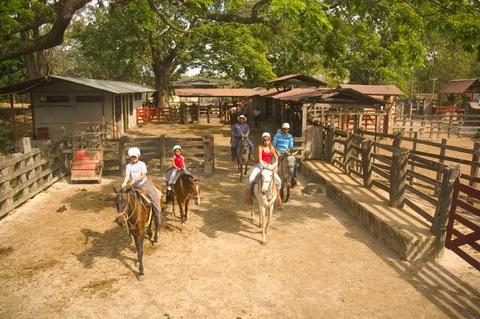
(76, 263)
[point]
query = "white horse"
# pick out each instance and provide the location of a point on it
(266, 194)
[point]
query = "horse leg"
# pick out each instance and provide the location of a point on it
(252, 214)
(182, 213)
(288, 193)
(282, 196)
(264, 224)
(139, 243)
(246, 167)
(173, 203)
(187, 201)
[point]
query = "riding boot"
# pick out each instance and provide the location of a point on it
(248, 196)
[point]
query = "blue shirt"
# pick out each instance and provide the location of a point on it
(238, 130)
(282, 142)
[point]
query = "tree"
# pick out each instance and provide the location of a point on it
(32, 26)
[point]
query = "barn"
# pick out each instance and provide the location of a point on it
(62, 106)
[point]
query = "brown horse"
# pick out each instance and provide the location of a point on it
(184, 189)
(136, 215)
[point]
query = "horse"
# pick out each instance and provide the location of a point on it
(266, 194)
(136, 215)
(242, 155)
(286, 167)
(184, 188)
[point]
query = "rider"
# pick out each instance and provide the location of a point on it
(178, 165)
(136, 176)
(283, 141)
(238, 130)
(265, 153)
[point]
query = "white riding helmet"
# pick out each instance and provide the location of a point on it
(285, 125)
(266, 134)
(177, 146)
(242, 116)
(134, 151)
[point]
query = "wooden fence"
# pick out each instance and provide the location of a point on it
(437, 125)
(389, 167)
(467, 216)
(30, 171)
(155, 151)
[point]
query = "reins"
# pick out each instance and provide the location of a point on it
(133, 206)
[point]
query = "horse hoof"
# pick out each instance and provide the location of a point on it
(264, 243)
(141, 277)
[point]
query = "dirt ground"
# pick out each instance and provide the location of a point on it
(61, 256)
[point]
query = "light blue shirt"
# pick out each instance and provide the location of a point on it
(282, 142)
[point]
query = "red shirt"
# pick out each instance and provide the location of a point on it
(178, 160)
(266, 157)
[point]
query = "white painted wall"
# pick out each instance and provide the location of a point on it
(62, 119)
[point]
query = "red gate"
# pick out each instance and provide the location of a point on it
(469, 218)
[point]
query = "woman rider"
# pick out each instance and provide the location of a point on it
(266, 153)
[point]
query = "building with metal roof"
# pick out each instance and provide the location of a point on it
(461, 86)
(64, 105)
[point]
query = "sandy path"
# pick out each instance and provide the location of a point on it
(318, 262)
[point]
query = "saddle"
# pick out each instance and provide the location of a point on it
(144, 196)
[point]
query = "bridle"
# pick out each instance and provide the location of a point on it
(270, 191)
(133, 206)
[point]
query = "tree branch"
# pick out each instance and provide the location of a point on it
(53, 38)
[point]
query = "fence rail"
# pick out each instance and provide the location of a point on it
(468, 218)
(391, 168)
(30, 171)
(200, 150)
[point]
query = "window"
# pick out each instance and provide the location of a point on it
(55, 99)
(89, 98)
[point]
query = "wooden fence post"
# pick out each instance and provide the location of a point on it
(208, 161)
(366, 162)
(474, 169)
(317, 143)
(397, 140)
(412, 164)
(308, 138)
(398, 173)
(348, 154)
(440, 219)
(441, 161)
(122, 161)
(330, 145)
(5, 188)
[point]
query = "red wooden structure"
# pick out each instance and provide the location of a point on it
(469, 217)
(148, 114)
(441, 109)
(86, 165)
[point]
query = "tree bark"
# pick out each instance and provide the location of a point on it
(165, 61)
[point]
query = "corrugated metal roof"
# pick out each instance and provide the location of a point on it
(296, 79)
(116, 87)
(296, 94)
(216, 92)
(461, 86)
(109, 86)
(378, 90)
(327, 95)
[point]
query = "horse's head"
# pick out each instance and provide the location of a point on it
(267, 176)
(122, 200)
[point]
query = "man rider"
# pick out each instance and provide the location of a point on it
(238, 130)
(283, 141)
(136, 176)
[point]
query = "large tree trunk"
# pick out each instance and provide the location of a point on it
(164, 64)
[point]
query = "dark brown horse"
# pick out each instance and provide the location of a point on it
(136, 216)
(184, 189)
